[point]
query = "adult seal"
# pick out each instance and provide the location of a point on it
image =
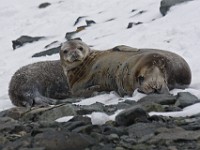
(122, 69)
(41, 83)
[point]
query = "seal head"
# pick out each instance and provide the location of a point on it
(73, 53)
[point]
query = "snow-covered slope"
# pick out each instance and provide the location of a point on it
(178, 31)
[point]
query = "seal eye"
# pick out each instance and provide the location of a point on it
(65, 51)
(140, 79)
(80, 48)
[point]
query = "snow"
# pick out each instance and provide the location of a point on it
(178, 31)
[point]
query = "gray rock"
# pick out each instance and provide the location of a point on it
(25, 39)
(48, 52)
(8, 124)
(87, 109)
(185, 99)
(162, 99)
(175, 134)
(50, 113)
(44, 5)
(142, 132)
(90, 22)
(52, 140)
(151, 106)
(166, 4)
(131, 116)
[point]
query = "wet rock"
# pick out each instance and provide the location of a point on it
(185, 99)
(44, 5)
(25, 39)
(48, 52)
(165, 5)
(132, 115)
(162, 99)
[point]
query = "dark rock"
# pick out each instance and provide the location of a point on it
(52, 140)
(48, 52)
(185, 99)
(142, 132)
(175, 134)
(110, 109)
(25, 39)
(132, 115)
(87, 109)
(130, 24)
(78, 20)
(90, 22)
(107, 130)
(133, 10)
(49, 113)
(162, 99)
(15, 112)
(44, 5)
(110, 19)
(69, 35)
(168, 108)
(8, 124)
(166, 4)
(151, 106)
(84, 119)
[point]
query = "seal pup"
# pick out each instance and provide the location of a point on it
(41, 83)
(122, 69)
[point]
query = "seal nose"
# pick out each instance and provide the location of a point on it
(74, 55)
(162, 90)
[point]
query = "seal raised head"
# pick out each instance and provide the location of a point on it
(122, 69)
(41, 83)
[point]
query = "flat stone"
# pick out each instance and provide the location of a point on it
(50, 113)
(185, 99)
(151, 106)
(142, 132)
(132, 115)
(175, 134)
(163, 99)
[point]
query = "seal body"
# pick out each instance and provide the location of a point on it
(123, 69)
(41, 83)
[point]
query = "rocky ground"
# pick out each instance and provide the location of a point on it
(35, 128)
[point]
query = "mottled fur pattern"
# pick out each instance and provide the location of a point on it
(41, 83)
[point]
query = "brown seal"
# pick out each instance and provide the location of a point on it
(41, 83)
(122, 69)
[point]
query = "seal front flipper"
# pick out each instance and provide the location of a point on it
(88, 92)
(124, 48)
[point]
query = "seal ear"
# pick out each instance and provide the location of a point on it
(140, 79)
